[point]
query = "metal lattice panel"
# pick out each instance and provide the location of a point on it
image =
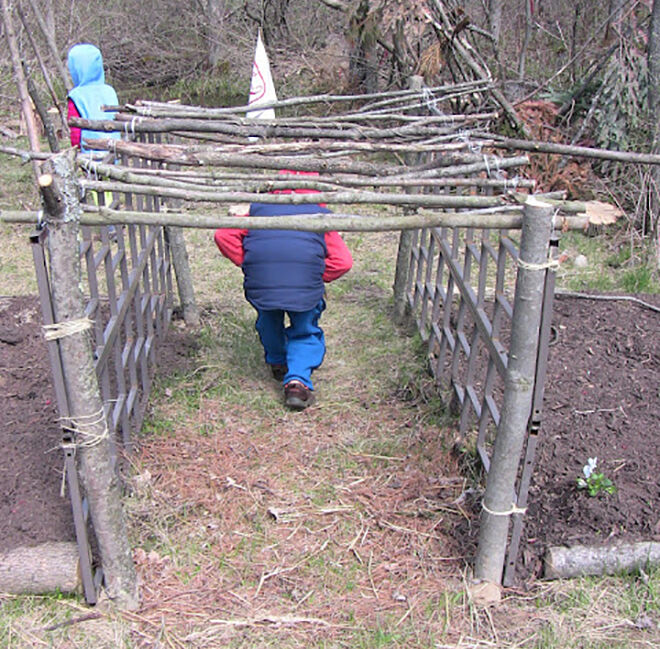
(127, 291)
(460, 292)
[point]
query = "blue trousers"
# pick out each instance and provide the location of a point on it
(300, 346)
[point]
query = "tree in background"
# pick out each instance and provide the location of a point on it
(588, 58)
(654, 120)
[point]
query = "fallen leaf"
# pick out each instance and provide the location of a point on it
(239, 209)
(601, 213)
(485, 593)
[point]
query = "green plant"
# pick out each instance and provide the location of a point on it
(594, 482)
(638, 280)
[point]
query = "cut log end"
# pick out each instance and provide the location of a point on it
(45, 568)
(45, 180)
(534, 201)
(580, 560)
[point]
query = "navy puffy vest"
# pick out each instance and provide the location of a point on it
(284, 269)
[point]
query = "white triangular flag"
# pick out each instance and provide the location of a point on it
(262, 88)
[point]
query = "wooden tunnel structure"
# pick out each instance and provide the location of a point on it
(425, 154)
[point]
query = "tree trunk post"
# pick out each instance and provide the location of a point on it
(401, 309)
(87, 422)
(654, 118)
(183, 276)
(499, 500)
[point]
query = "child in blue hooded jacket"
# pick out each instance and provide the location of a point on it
(89, 93)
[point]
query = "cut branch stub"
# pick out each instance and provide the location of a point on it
(55, 206)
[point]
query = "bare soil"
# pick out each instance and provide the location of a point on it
(602, 400)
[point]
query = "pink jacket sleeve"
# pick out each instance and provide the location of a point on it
(338, 260)
(230, 243)
(74, 131)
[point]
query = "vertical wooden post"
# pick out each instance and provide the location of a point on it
(183, 276)
(87, 422)
(401, 309)
(499, 500)
(653, 59)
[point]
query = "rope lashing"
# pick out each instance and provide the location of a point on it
(513, 510)
(473, 147)
(82, 435)
(83, 430)
(431, 101)
(552, 265)
(66, 328)
(129, 127)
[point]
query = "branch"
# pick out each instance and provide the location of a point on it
(354, 130)
(579, 151)
(26, 106)
(42, 65)
(188, 179)
(506, 218)
(479, 71)
(52, 45)
(25, 155)
(41, 110)
(52, 197)
(339, 197)
(337, 4)
(451, 163)
(164, 109)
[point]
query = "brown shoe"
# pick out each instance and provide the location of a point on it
(279, 371)
(297, 395)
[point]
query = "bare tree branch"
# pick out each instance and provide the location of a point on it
(52, 45)
(26, 104)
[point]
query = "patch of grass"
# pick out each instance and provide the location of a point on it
(611, 265)
(158, 426)
(59, 621)
(18, 190)
(17, 276)
(639, 280)
(599, 612)
(17, 193)
(217, 89)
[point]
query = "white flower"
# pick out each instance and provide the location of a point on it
(589, 467)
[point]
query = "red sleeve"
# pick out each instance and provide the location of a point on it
(72, 111)
(230, 243)
(338, 260)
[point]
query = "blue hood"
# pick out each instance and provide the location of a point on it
(86, 64)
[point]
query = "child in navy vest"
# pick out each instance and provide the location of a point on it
(284, 275)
